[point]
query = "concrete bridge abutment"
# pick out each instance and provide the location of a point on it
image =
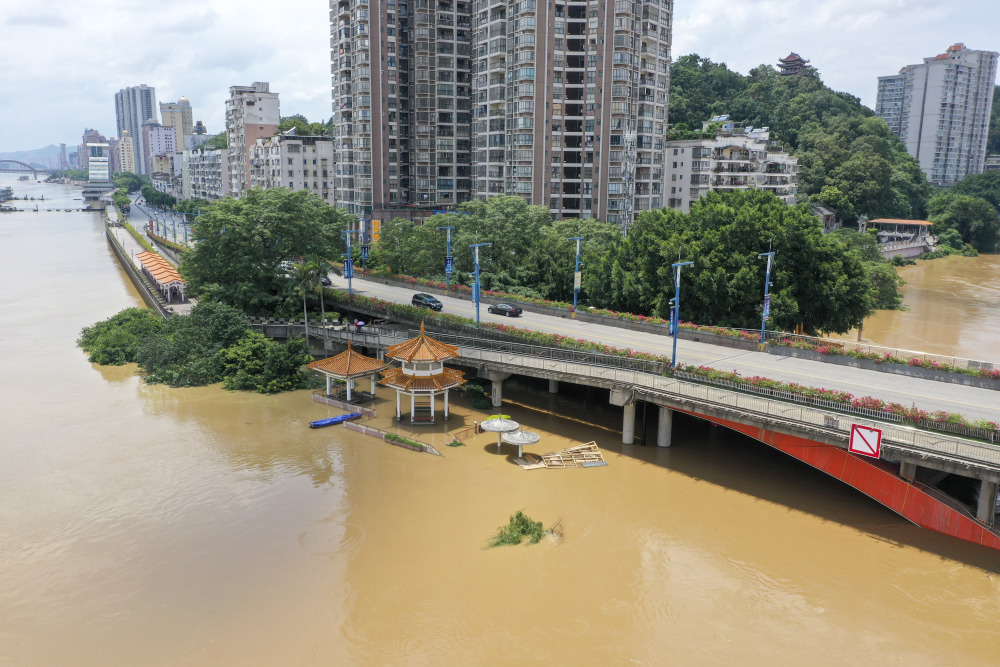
(987, 509)
(496, 379)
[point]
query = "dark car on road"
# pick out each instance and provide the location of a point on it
(325, 281)
(505, 309)
(426, 301)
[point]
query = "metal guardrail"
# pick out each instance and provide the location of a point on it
(866, 348)
(585, 366)
(555, 353)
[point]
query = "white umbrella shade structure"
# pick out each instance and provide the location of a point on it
(520, 438)
(499, 426)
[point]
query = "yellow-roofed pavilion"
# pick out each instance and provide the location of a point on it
(422, 375)
(348, 366)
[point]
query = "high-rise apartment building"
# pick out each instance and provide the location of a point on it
(401, 87)
(567, 103)
(157, 140)
(252, 113)
(940, 109)
(97, 161)
(133, 107)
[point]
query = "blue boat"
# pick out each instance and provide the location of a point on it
(330, 421)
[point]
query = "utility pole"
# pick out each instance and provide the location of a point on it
(766, 312)
(449, 262)
(348, 265)
(475, 287)
(676, 312)
(576, 271)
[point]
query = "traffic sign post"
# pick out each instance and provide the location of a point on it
(866, 441)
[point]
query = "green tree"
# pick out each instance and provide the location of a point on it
(240, 245)
(218, 141)
(974, 218)
(993, 139)
(256, 363)
(838, 201)
(116, 340)
(303, 127)
(818, 281)
(985, 185)
(129, 181)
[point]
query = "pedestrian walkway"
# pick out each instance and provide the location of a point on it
(133, 248)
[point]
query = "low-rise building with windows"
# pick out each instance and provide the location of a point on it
(294, 162)
(205, 174)
(735, 159)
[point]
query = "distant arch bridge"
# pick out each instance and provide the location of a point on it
(15, 167)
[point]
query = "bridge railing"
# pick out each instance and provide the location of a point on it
(554, 353)
(878, 350)
(902, 437)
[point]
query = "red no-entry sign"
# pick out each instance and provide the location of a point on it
(865, 440)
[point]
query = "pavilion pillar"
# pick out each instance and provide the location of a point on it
(553, 386)
(350, 386)
(986, 512)
(628, 423)
(328, 381)
(399, 413)
(664, 426)
(372, 378)
(432, 406)
(446, 404)
(413, 406)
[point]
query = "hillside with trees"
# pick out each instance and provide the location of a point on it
(840, 144)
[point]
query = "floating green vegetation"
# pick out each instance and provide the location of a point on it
(392, 437)
(456, 443)
(520, 526)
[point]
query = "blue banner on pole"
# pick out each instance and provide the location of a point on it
(364, 251)
(475, 292)
(767, 306)
(673, 321)
(449, 264)
(348, 268)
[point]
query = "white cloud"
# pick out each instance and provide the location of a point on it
(68, 59)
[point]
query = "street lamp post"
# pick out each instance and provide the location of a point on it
(766, 312)
(576, 271)
(677, 307)
(475, 287)
(448, 260)
(348, 265)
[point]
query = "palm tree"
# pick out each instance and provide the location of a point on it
(323, 267)
(305, 277)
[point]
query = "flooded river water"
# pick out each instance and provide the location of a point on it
(142, 525)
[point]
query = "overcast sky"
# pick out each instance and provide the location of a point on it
(66, 60)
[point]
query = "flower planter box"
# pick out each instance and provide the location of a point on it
(887, 367)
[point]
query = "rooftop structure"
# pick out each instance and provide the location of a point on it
(793, 63)
(349, 366)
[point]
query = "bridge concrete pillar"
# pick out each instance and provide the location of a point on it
(907, 470)
(986, 512)
(628, 423)
(553, 386)
(497, 387)
(664, 426)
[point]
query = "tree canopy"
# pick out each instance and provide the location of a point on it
(240, 245)
(838, 141)
(818, 281)
(975, 219)
(303, 127)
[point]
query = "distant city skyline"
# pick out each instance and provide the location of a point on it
(62, 85)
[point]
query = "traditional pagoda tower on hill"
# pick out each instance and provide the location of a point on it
(793, 63)
(422, 375)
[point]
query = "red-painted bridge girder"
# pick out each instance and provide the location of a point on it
(874, 478)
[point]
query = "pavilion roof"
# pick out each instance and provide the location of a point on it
(163, 272)
(422, 348)
(349, 364)
(446, 379)
(899, 221)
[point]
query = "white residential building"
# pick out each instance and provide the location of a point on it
(295, 163)
(205, 174)
(126, 151)
(252, 113)
(736, 159)
(97, 163)
(940, 109)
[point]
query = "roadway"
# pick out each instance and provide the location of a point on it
(973, 402)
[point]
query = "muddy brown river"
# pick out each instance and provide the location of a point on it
(142, 525)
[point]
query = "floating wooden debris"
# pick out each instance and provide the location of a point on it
(530, 461)
(582, 456)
